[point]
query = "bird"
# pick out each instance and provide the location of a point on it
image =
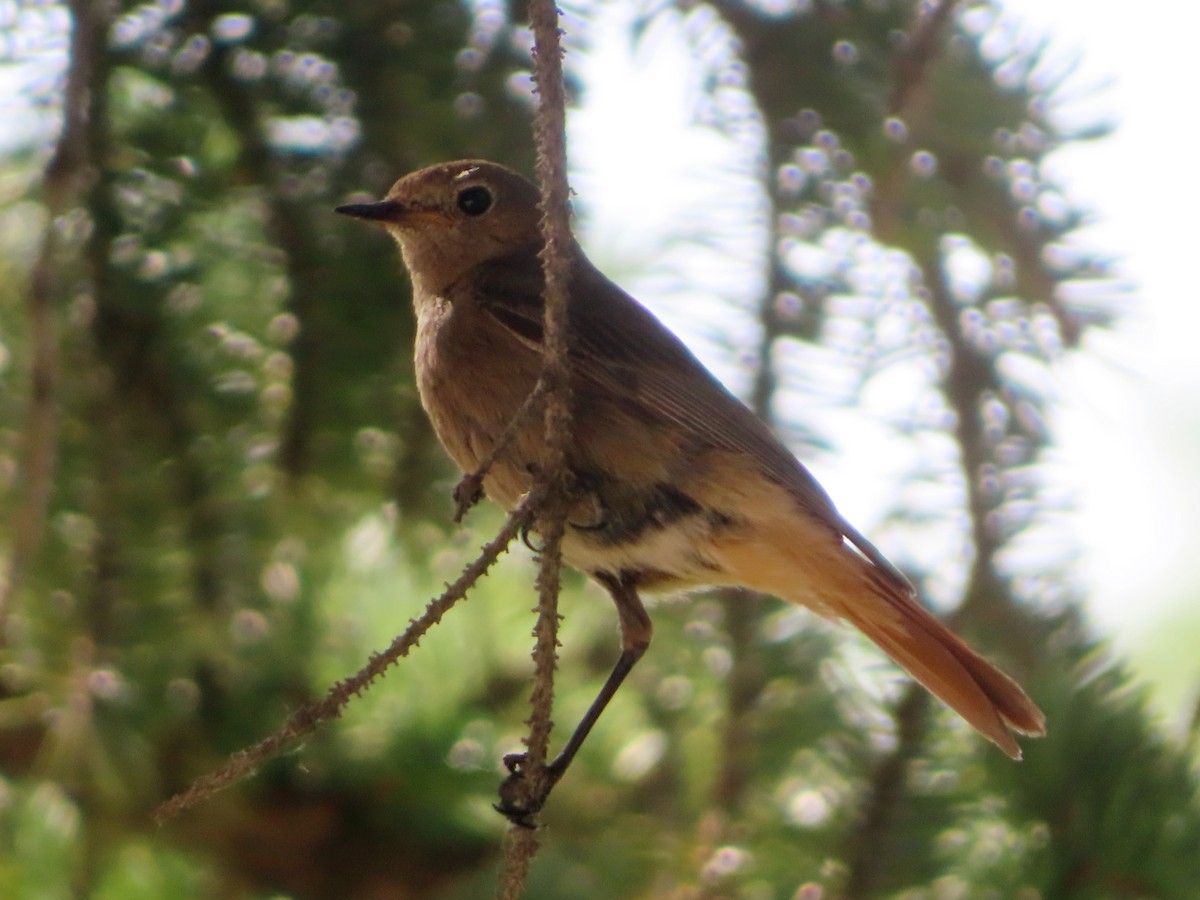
(677, 484)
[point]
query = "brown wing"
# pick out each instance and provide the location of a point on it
(620, 346)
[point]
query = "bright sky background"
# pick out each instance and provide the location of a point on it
(1131, 418)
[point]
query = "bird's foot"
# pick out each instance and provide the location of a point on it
(525, 791)
(467, 493)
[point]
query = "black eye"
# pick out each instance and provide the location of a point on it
(475, 201)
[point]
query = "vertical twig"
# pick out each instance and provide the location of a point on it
(289, 228)
(519, 849)
(550, 134)
(909, 102)
(549, 130)
(866, 862)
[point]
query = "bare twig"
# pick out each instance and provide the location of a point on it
(306, 719)
(910, 101)
(549, 129)
(743, 609)
(550, 133)
(469, 489)
(744, 686)
(291, 231)
(520, 847)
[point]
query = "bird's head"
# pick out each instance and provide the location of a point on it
(454, 216)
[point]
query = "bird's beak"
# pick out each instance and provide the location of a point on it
(383, 211)
(393, 212)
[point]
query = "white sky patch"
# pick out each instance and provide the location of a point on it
(651, 185)
(1129, 420)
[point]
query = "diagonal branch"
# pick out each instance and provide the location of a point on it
(469, 489)
(309, 717)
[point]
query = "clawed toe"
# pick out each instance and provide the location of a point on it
(524, 792)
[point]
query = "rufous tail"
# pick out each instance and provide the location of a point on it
(839, 583)
(991, 702)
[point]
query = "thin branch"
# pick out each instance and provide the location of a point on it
(70, 172)
(550, 133)
(289, 227)
(909, 101)
(866, 863)
(305, 720)
(743, 614)
(549, 130)
(520, 847)
(911, 67)
(743, 609)
(469, 489)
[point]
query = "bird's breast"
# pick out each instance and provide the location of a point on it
(473, 377)
(650, 500)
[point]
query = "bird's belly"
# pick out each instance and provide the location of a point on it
(664, 559)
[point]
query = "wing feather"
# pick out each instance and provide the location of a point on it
(619, 345)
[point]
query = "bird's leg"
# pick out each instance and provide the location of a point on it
(519, 801)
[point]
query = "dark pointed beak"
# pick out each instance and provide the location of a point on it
(383, 211)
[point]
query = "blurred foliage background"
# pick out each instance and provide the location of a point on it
(219, 493)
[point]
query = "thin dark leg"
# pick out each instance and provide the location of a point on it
(516, 802)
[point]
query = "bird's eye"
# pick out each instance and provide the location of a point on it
(475, 201)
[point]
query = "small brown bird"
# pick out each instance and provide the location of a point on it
(680, 485)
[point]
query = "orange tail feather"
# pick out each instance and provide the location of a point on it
(991, 702)
(837, 582)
